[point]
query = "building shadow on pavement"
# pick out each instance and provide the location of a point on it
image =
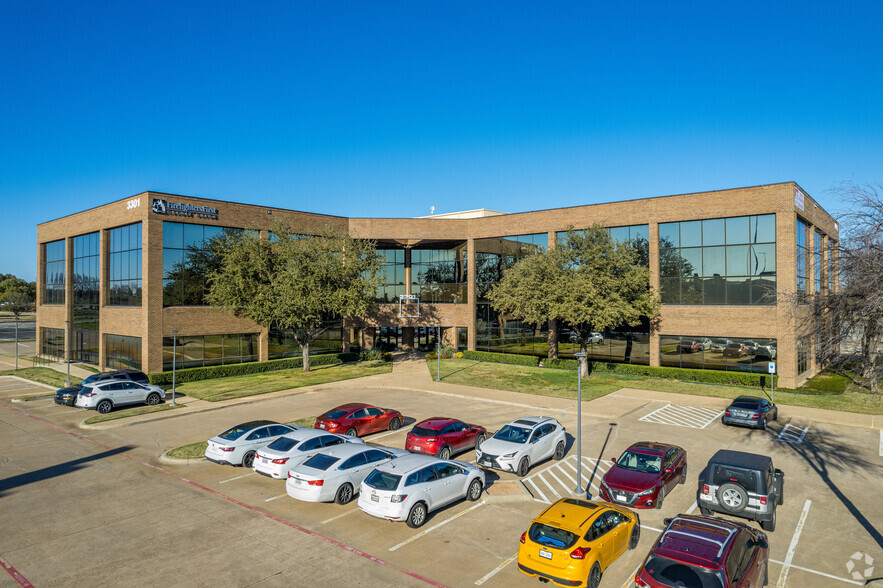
(61, 469)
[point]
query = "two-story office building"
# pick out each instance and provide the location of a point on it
(119, 281)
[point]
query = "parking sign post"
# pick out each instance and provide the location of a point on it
(772, 370)
(174, 353)
(580, 357)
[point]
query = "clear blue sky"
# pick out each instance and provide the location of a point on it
(374, 108)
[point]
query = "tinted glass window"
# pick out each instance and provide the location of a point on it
(383, 480)
(329, 440)
(234, 433)
(512, 434)
(282, 444)
(428, 474)
(745, 478)
(354, 461)
(423, 432)
(334, 414)
(549, 536)
(672, 573)
(321, 462)
(373, 455)
(447, 429)
(374, 411)
(713, 232)
(309, 444)
(279, 430)
(362, 413)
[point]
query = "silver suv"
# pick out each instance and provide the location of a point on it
(742, 484)
(103, 396)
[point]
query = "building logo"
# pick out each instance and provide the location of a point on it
(161, 206)
(860, 566)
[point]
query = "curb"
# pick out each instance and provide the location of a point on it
(164, 458)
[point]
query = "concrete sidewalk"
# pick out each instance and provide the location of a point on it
(8, 363)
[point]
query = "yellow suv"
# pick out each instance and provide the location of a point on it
(573, 541)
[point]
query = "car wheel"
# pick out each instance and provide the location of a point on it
(153, 399)
(474, 490)
(248, 459)
(732, 497)
(763, 424)
(683, 479)
(417, 516)
(444, 452)
(705, 511)
(104, 406)
(479, 440)
(660, 498)
(635, 537)
(559, 450)
(769, 525)
(523, 467)
(776, 415)
(395, 424)
(352, 432)
(594, 577)
(344, 493)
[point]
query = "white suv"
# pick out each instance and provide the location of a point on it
(522, 443)
(408, 488)
(104, 396)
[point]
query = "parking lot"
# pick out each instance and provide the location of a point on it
(98, 506)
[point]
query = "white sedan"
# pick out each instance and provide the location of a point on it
(408, 488)
(522, 443)
(337, 473)
(238, 445)
(291, 450)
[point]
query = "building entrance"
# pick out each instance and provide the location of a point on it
(389, 338)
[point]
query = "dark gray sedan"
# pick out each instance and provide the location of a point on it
(750, 411)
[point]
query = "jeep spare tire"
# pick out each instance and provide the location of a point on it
(732, 497)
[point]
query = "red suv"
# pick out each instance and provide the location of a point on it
(444, 437)
(705, 552)
(644, 474)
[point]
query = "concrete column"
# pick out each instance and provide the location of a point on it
(654, 283)
(69, 296)
(103, 281)
(470, 293)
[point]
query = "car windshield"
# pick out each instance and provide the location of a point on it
(672, 573)
(334, 414)
(234, 433)
(640, 462)
(383, 480)
(512, 434)
(321, 462)
(744, 405)
(283, 444)
(552, 536)
(423, 432)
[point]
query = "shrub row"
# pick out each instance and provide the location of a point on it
(626, 369)
(510, 358)
(253, 367)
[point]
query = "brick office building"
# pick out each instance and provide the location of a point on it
(127, 276)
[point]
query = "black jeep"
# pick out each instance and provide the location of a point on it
(742, 484)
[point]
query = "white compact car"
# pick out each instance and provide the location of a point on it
(522, 443)
(238, 445)
(291, 450)
(408, 488)
(104, 396)
(337, 472)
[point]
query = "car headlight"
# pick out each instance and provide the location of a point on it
(508, 455)
(646, 492)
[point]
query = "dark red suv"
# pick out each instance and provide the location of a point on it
(443, 437)
(644, 474)
(705, 552)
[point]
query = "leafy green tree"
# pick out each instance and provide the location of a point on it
(17, 302)
(590, 281)
(10, 283)
(295, 282)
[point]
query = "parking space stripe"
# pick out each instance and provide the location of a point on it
(237, 478)
(494, 571)
(540, 492)
(340, 516)
(792, 434)
(557, 479)
(692, 508)
(551, 489)
(585, 480)
(683, 416)
(232, 500)
(881, 442)
(388, 433)
(434, 527)
(818, 573)
(275, 497)
(628, 583)
(22, 581)
(783, 576)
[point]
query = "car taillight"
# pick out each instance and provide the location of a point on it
(87, 394)
(754, 417)
(640, 583)
(227, 448)
(281, 460)
(763, 500)
(316, 482)
(523, 535)
(580, 552)
(727, 412)
(333, 425)
(705, 489)
(430, 439)
(398, 497)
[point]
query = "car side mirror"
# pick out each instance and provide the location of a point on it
(669, 470)
(613, 459)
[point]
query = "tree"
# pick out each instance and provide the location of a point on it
(17, 302)
(10, 283)
(295, 282)
(591, 281)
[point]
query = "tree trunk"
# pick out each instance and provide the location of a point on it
(305, 347)
(553, 339)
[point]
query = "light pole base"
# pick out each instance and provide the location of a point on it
(579, 491)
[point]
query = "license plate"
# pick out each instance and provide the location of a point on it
(264, 461)
(298, 482)
(321, 425)
(375, 498)
(417, 448)
(621, 498)
(545, 554)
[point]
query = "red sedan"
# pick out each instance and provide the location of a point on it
(644, 475)
(357, 419)
(444, 437)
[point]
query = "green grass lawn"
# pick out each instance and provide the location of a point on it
(42, 375)
(824, 391)
(254, 384)
(129, 412)
(195, 450)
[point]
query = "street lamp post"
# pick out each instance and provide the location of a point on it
(438, 353)
(67, 351)
(580, 357)
(174, 357)
(16, 342)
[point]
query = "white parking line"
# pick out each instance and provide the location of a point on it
(881, 442)
(692, 508)
(386, 434)
(651, 529)
(683, 416)
(237, 478)
(434, 527)
(540, 492)
(628, 583)
(585, 480)
(783, 576)
(275, 497)
(792, 434)
(340, 516)
(491, 574)
(847, 580)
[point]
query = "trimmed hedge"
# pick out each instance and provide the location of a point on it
(627, 369)
(510, 358)
(253, 367)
